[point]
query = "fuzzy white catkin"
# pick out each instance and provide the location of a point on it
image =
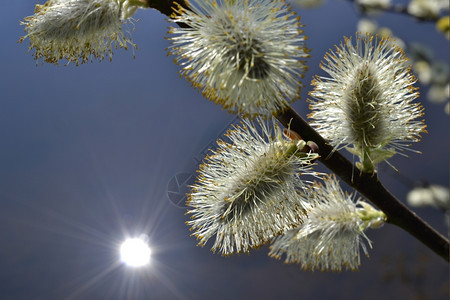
(368, 100)
(78, 30)
(244, 55)
(331, 237)
(248, 189)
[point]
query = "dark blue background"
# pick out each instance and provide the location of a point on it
(86, 155)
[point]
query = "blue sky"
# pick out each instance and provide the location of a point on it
(87, 153)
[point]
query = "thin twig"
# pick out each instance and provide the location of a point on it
(392, 8)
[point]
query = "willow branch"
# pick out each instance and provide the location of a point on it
(366, 184)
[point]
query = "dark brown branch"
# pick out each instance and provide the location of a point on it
(169, 7)
(367, 184)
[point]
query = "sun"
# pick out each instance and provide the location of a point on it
(135, 252)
